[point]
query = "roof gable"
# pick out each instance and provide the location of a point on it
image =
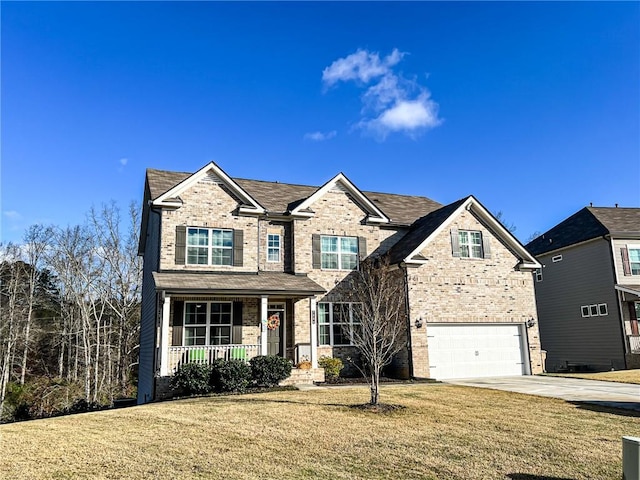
(425, 229)
(342, 183)
(213, 173)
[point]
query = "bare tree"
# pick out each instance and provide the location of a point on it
(381, 331)
(510, 226)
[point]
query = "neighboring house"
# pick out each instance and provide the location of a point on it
(588, 290)
(235, 268)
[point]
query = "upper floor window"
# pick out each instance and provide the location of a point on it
(273, 247)
(338, 253)
(470, 242)
(207, 323)
(337, 322)
(209, 246)
(538, 273)
(634, 260)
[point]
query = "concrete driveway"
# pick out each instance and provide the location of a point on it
(607, 394)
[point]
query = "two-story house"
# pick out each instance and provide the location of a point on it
(235, 268)
(588, 290)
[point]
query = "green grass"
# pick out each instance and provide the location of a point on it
(623, 376)
(444, 432)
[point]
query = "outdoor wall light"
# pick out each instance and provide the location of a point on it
(419, 322)
(530, 323)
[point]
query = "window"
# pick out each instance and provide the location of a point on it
(538, 275)
(273, 247)
(602, 309)
(634, 260)
(557, 258)
(207, 323)
(209, 246)
(338, 253)
(470, 244)
(595, 310)
(337, 322)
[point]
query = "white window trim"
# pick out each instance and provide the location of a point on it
(330, 323)
(606, 310)
(556, 259)
(339, 253)
(538, 274)
(210, 247)
(208, 324)
(629, 248)
(470, 245)
(277, 249)
(583, 309)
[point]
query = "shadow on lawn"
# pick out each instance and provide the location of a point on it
(529, 476)
(625, 409)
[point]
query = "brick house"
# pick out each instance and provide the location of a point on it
(588, 291)
(235, 268)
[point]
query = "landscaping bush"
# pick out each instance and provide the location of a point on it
(230, 376)
(192, 379)
(268, 371)
(332, 366)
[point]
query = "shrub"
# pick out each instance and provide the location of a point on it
(268, 371)
(192, 379)
(332, 366)
(230, 376)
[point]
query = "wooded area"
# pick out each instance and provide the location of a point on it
(69, 315)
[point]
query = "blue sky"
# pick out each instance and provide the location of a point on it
(534, 108)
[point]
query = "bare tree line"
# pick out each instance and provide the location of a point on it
(69, 309)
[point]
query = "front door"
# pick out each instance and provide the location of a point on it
(275, 327)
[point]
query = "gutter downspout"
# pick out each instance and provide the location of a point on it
(403, 266)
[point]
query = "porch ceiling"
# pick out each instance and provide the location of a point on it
(632, 289)
(261, 283)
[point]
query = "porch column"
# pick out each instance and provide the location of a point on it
(313, 333)
(164, 337)
(263, 324)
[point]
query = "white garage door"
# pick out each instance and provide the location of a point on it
(467, 351)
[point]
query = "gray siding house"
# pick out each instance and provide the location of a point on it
(588, 290)
(235, 268)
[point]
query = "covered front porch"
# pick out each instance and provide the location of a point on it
(209, 316)
(629, 298)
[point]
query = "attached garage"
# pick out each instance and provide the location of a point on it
(478, 350)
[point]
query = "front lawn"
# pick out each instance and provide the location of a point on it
(624, 376)
(445, 432)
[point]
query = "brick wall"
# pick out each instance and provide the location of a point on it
(461, 290)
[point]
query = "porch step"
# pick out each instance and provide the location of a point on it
(304, 377)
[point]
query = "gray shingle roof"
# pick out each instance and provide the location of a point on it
(420, 230)
(272, 283)
(279, 198)
(586, 224)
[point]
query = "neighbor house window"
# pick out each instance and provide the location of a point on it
(470, 244)
(634, 260)
(337, 322)
(209, 246)
(538, 275)
(595, 310)
(273, 247)
(556, 259)
(207, 323)
(338, 253)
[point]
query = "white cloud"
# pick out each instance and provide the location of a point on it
(124, 161)
(320, 136)
(12, 215)
(362, 65)
(392, 103)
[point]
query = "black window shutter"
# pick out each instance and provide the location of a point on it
(626, 266)
(455, 242)
(238, 245)
(237, 323)
(315, 251)
(486, 248)
(181, 244)
(178, 311)
(362, 248)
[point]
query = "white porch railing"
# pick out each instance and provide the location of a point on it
(634, 343)
(206, 354)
